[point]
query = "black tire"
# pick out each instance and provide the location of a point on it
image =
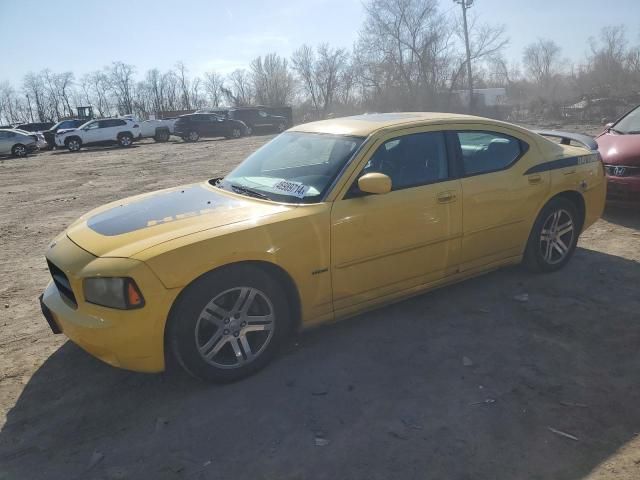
(162, 136)
(125, 140)
(192, 136)
(189, 319)
(73, 144)
(19, 150)
(550, 255)
(281, 127)
(235, 132)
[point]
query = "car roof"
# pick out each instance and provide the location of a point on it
(366, 124)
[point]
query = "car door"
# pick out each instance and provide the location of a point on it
(391, 244)
(499, 198)
(218, 126)
(5, 143)
(91, 132)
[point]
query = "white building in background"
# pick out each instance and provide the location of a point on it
(488, 97)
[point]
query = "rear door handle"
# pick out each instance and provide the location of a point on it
(446, 197)
(535, 179)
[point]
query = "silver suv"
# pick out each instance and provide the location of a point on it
(16, 143)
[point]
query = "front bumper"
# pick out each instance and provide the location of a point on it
(130, 339)
(623, 189)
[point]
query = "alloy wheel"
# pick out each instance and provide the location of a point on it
(235, 327)
(193, 136)
(556, 237)
(20, 151)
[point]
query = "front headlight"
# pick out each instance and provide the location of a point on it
(113, 292)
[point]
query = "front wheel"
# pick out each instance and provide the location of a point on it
(125, 140)
(236, 132)
(281, 127)
(228, 324)
(73, 144)
(554, 236)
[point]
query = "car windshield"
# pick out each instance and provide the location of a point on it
(295, 167)
(630, 124)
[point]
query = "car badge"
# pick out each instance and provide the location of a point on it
(619, 171)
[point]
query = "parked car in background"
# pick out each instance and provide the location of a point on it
(41, 143)
(159, 130)
(259, 119)
(69, 124)
(35, 127)
(17, 143)
(106, 131)
(193, 126)
(619, 146)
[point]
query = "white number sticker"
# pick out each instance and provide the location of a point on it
(294, 189)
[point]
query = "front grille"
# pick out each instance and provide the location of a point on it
(62, 283)
(622, 171)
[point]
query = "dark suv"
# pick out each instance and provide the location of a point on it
(258, 118)
(50, 135)
(193, 126)
(35, 127)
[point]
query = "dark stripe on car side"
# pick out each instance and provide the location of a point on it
(562, 163)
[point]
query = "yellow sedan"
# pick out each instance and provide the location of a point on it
(327, 220)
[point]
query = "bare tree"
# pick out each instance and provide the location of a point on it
(183, 81)
(320, 74)
(34, 90)
(272, 82)
(121, 76)
(213, 85)
(542, 60)
(239, 92)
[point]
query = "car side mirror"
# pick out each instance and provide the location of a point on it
(376, 183)
(608, 125)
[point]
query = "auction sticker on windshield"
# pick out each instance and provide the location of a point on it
(294, 189)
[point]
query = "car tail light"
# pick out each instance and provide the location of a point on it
(136, 126)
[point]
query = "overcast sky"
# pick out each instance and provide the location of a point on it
(213, 35)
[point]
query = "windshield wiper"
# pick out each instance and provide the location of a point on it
(611, 129)
(249, 192)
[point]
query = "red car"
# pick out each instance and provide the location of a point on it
(619, 146)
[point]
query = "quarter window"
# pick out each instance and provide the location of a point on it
(484, 152)
(411, 160)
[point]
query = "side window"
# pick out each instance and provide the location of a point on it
(4, 135)
(118, 123)
(93, 125)
(263, 114)
(484, 152)
(411, 160)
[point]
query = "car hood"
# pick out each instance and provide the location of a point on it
(127, 227)
(619, 149)
(66, 130)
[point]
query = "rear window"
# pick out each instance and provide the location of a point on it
(484, 152)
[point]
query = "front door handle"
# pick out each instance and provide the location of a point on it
(446, 197)
(535, 179)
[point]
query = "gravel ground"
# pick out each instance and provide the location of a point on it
(464, 382)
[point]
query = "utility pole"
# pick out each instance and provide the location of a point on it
(466, 4)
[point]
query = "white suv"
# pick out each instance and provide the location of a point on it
(107, 131)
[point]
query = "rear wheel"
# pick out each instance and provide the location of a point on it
(554, 236)
(236, 132)
(73, 144)
(125, 140)
(19, 150)
(192, 136)
(281, 127)
(228, 324)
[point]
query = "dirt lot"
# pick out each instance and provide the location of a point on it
(385, 395)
